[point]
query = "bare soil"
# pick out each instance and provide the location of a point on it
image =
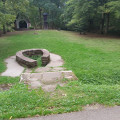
(90, 35)
(4, 87)
(15, 33)
(95, 35)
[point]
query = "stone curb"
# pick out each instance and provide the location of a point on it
(25, 61)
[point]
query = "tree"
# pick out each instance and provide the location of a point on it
(91, 15)
(79, 15)
(53, 8)
(9, 11)
(6, 19)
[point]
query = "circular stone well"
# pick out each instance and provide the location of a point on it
(22, 59)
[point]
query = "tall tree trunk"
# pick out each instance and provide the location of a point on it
(4, 28)
(102, 23)
(0, 33)
(107, 22)
(91, 25)
(35, 23)
(40, 13)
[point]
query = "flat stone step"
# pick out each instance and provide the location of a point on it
(47, 80)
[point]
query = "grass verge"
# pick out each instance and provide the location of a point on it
(20, 101)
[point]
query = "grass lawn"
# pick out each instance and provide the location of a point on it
(94, 60)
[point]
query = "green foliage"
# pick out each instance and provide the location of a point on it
(9, 10)
(54, 10)
(115, 7)
(31, 27)
(38, 58)
(78, 15)
(6, 19)
(91, 15)
(18, 6)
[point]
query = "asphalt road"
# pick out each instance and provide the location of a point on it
(99, 114)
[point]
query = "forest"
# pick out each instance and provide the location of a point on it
(98, 16)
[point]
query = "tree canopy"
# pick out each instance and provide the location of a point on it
(101, 16)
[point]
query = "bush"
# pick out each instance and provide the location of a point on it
(114, 32)
(31, 27)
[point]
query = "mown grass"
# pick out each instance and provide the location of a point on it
(20, 101)
(95, 61)
(8, 80)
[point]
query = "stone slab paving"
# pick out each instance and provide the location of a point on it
(55, 61)
(48, 77)
(13, 68)
(47, 80)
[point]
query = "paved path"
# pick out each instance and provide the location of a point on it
(99, 114)
(13, 68)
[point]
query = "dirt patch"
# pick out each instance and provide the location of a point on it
(4, 87)
(48, 77)
(12, 33)
(93, 107)
(15, 33)
(95, 35)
